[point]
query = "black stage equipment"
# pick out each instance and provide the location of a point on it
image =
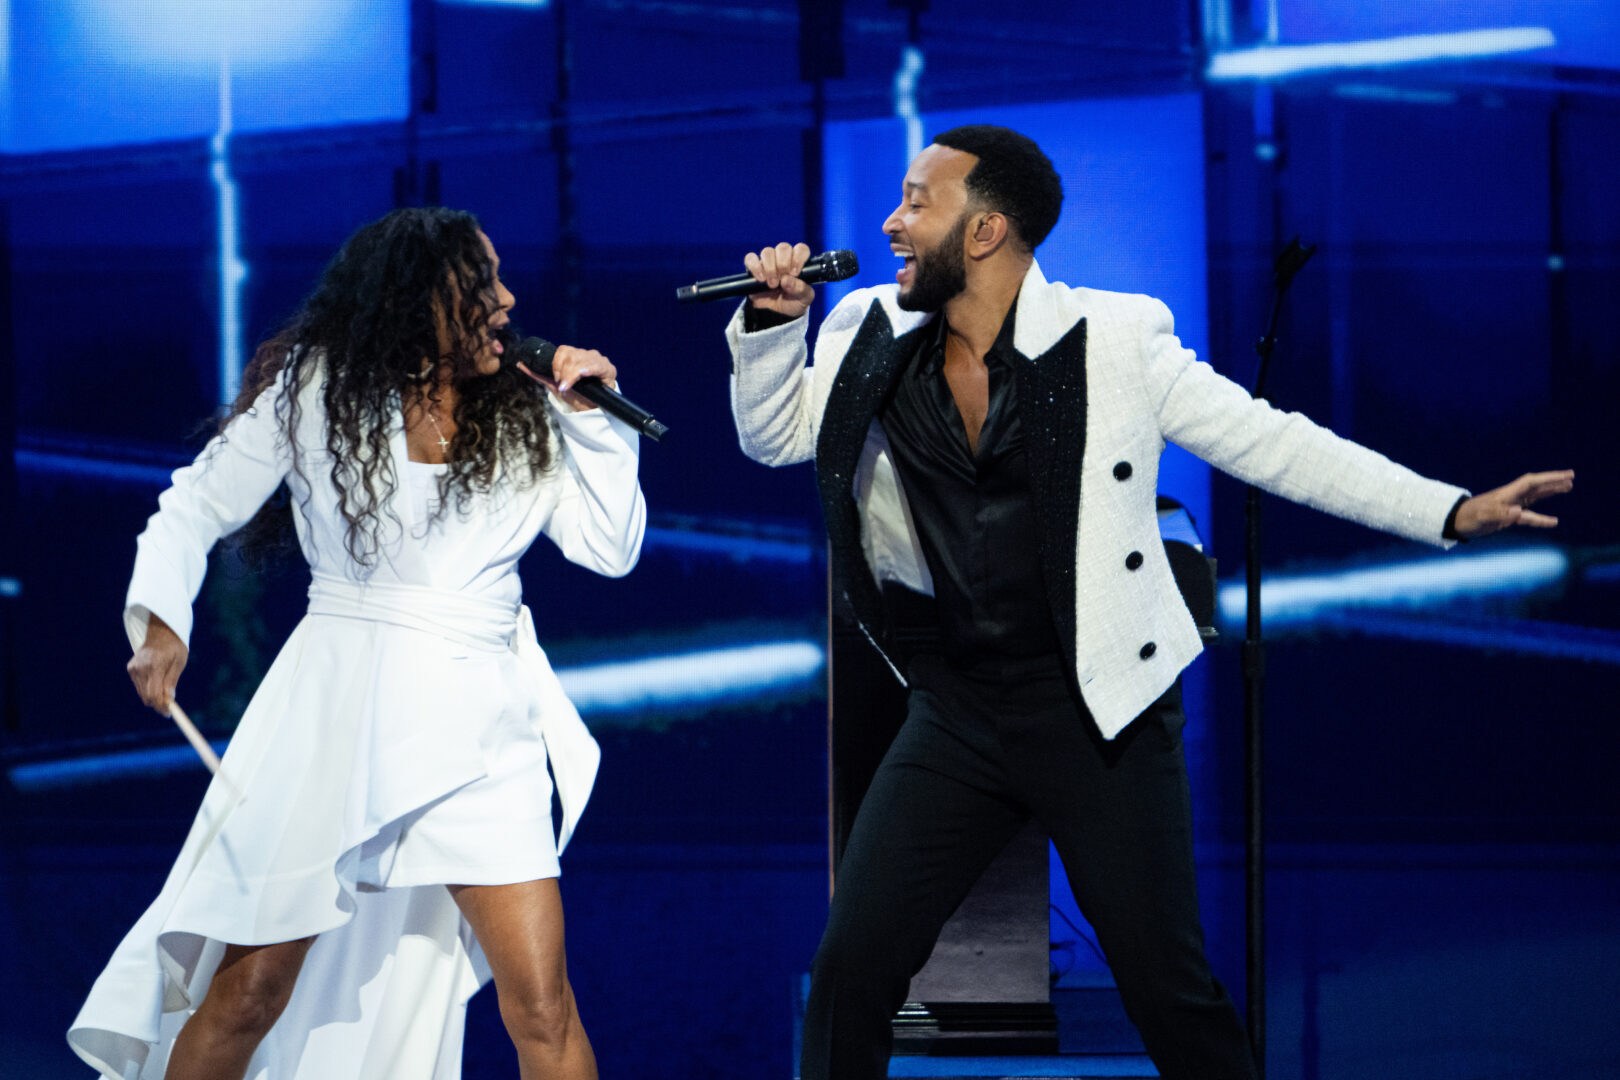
(1288, 263)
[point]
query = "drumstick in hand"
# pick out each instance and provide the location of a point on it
(194, 737)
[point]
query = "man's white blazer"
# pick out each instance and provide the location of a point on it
(1105, 385)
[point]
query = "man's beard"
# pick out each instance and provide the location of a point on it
(940, 275)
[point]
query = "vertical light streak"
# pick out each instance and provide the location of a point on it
(232, 270)
(1217, 24)
(5, 74)
(905, 98)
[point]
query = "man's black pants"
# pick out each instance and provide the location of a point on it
(971, 764)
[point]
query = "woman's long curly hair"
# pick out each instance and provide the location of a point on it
(373, 332)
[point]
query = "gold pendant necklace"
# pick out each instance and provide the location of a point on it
(444, 443)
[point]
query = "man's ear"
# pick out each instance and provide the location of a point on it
(990, 231)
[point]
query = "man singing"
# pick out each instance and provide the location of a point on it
(992, 438)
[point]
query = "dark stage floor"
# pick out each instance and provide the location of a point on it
(690, 920)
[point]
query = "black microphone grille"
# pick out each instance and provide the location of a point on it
(838, 265)
(536, 354)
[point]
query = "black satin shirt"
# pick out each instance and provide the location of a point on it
(973, 512)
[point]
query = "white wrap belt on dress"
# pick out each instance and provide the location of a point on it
(487, 626)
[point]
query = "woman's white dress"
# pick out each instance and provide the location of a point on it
(399, 743)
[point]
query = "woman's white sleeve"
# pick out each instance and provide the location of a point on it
(600, 516)
(213, 496)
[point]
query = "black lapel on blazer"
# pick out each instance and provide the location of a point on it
(864, 380)
(1052, 412)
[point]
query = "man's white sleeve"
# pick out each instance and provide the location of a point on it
(1282, 452)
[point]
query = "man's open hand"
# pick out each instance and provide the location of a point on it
(1510, 504)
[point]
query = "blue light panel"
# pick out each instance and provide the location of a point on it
(86, 73)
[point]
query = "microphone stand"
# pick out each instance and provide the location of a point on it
(1284, 267)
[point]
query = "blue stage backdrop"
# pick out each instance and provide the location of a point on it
(174, 174)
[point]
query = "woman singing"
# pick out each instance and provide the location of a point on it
(379, 840)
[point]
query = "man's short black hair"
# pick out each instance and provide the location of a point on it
(1012, 175)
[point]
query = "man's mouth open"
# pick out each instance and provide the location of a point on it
(908, 269)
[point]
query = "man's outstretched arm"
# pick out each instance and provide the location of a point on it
(1290, 456)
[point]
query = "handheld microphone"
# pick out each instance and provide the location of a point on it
(828, 266)
(532, 356)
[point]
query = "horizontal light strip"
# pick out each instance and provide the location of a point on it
(1525, 637)
(709, 676)
(1304, 597)
(1090, 1065)
(98, 768)
(54, 461)
(712, 675)
(1368, 92)
(1276, 61)
(741, 548)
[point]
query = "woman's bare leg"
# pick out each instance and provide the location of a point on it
(521, 930)
(249, 992)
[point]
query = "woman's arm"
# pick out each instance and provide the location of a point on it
(213, 496)
(600, 516)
